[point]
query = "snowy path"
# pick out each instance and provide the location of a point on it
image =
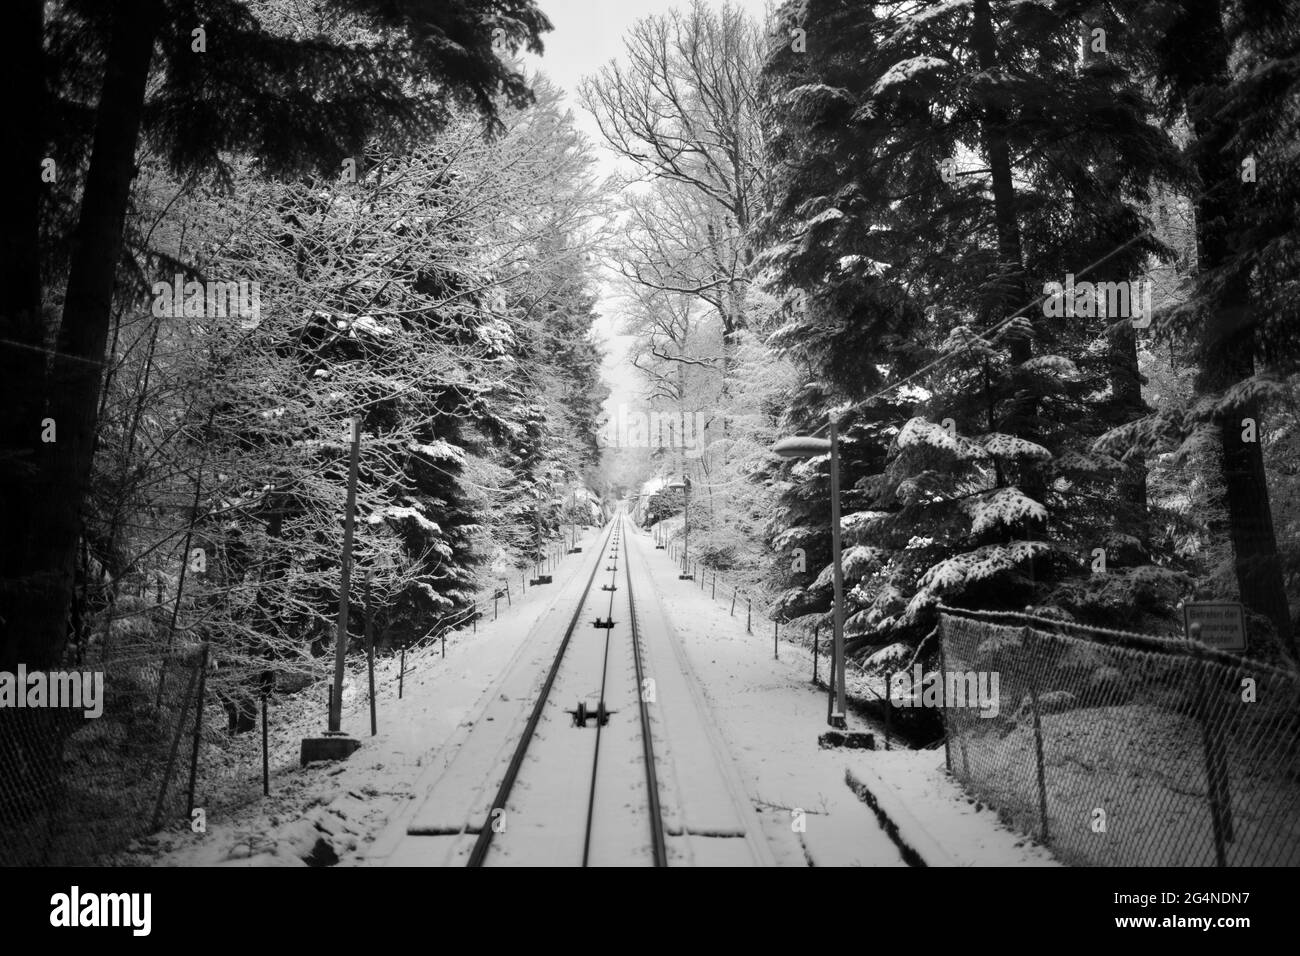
(763, 714)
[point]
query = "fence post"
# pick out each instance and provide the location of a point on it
(1038, 736)
(749, 615)
(1216, 777)
(370, 659)
(943, 676)
(171, 756)
(889, 706)
(714, 595)
(830, 691)
(816, 630)
(401, 673)
(198, 728)
(496, 601)
(508, 601)
(776, 653)
(733, 602)
(266, 756)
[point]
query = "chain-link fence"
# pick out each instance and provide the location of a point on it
(1121, 749)
(75, 785)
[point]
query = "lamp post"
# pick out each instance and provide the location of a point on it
(806, 447)
(683, 484)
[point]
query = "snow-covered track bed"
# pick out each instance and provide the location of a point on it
(569, 779)
(708, 816)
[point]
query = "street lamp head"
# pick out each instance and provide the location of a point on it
(802, 447)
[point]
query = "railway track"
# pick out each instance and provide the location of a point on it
(614, 637)
(573, 777)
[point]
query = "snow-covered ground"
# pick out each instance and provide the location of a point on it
(346, 805)
(735, 734)
(770, 716)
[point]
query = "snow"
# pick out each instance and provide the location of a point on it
(439, 450)
(399, 513)
(370, 325)
(350, 803)
(944, 825)
(829, 215)
(907, 70)
(736, 737)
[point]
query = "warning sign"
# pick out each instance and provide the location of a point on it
(1220, 624)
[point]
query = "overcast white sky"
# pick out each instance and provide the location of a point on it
(587, 34)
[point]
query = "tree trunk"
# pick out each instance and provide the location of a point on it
(37, 629)
(22, 329)
(1228, 345)
(1013, 290)
(1122, 351)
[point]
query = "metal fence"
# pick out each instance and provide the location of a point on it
(75, 787)
(1121, 749)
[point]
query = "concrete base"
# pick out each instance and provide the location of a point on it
(834, 738)
(330, 747)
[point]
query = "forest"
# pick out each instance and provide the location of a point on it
(1037, 261)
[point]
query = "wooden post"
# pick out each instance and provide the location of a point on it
(943, 676)
(198, 727)
(830, 692)
(838, 716)
(266, 755)
(889, 707)
(370, 659)
(345, 580)
(171, 756)
(1038, 740)
(749, 615)
(1216, 776)
(401, 673)
(776, 651)
(816, 630)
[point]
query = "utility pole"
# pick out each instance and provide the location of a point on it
(345, 580)
(336, 745)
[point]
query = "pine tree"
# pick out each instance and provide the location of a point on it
(929, 152)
